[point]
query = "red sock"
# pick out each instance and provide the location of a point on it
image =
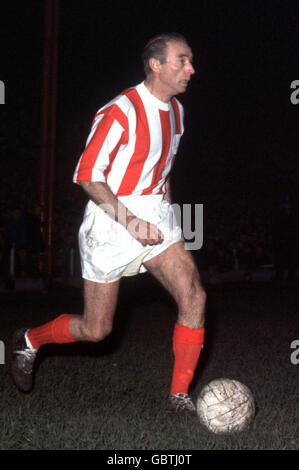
(56, 331)
(187, 344)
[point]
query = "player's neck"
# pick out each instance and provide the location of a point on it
(157, 90)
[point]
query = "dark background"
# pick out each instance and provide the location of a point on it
(240, 147)
(238, 157)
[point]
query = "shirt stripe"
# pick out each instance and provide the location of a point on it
(166, 142)
(177, 116)
(104, 123)
(141, 150)
(132, 143)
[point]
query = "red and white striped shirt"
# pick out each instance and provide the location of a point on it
(132, 143)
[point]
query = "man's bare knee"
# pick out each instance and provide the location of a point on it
(192, 289)
(96, 333)
(100, 302)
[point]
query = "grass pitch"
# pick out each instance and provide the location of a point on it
(112, 395)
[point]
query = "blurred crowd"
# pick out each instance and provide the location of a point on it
(253, 243)
(236, 242)
(246, 242)
(24, 235)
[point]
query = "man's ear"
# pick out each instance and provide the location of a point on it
(155, 65)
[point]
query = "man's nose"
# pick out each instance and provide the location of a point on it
(190, 68)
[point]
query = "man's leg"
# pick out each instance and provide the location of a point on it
(100, 300)
(177, 272)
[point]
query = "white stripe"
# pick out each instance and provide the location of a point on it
(155, 132)
(108, 146)
(122, 160)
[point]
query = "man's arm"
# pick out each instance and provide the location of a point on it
(167, 194)
(100, 193)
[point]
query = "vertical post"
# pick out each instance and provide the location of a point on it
(45, 107)
(48, 126)
(55, 14)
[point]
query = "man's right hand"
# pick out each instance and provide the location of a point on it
(145, 232)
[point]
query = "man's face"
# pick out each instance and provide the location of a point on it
(176, 72)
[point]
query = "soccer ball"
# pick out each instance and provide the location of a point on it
(225, 406)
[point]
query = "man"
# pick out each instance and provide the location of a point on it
(129, 225)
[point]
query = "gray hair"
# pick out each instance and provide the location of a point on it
(157, 48)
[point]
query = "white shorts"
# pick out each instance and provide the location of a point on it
(108, 251)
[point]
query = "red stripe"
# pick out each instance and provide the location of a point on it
(92, 150)
(142, 147)
(176, 115)
(112, 156)
(166, 141)
(116, 113)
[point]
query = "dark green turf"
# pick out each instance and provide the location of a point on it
(112, 395)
